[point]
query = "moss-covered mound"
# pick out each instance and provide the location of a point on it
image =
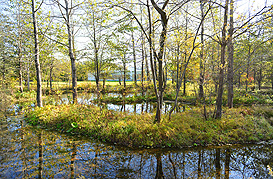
(183, 129)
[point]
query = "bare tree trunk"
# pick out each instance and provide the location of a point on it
(71, 54)
(20, 49)
(219, 100)
(186, 38)
(143, 53)
(247, 68)
(151, 52)
(230, 58)
(50, 78)
(217, 65)
(36, 58)
(184, 85)
(50, 74)
(173, 77)
(201, 76)
(124, 72)
(260, 78)
(134, 55)
(154, 54)
(119, 80)
(97, 72)
(103, 83)
(97, 76)
(177, 66)
(164, 22)
(142, 65)
(147, 66)
(28, 76)
(186, 64)
(20, 70)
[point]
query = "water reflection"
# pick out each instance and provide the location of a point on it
(138, 108)
(27, 152)
(83, 98)
(40, 144)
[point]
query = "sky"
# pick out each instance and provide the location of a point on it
(242, 6)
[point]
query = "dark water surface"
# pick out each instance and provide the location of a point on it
(28, 152)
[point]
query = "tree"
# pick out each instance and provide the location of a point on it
(19, 47)
(157, 66)
(201, 77)
(159, 56)
(66, 15)
(97, 22)
(188, 58)
(7, 43)
(119, 52)
(134, 56)
(36, 55)
(223, 44)
(230, 56)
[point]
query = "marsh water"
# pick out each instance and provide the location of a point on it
(138, 108)
(33, 152)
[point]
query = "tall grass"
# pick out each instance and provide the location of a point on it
(184, 129)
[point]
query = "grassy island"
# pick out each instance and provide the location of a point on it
(189, 128)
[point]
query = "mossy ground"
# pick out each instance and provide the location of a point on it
(189, 128)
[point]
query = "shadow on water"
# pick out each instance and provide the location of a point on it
(27, 152)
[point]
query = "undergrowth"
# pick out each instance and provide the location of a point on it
(237, 125)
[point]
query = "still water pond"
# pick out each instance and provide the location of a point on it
(28, 152)
(138, 108)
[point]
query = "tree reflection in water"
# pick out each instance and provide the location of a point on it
(40, 144)
(73, 157)
(159, 172)
(28, 152)
(227, 163)
(217, 163)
